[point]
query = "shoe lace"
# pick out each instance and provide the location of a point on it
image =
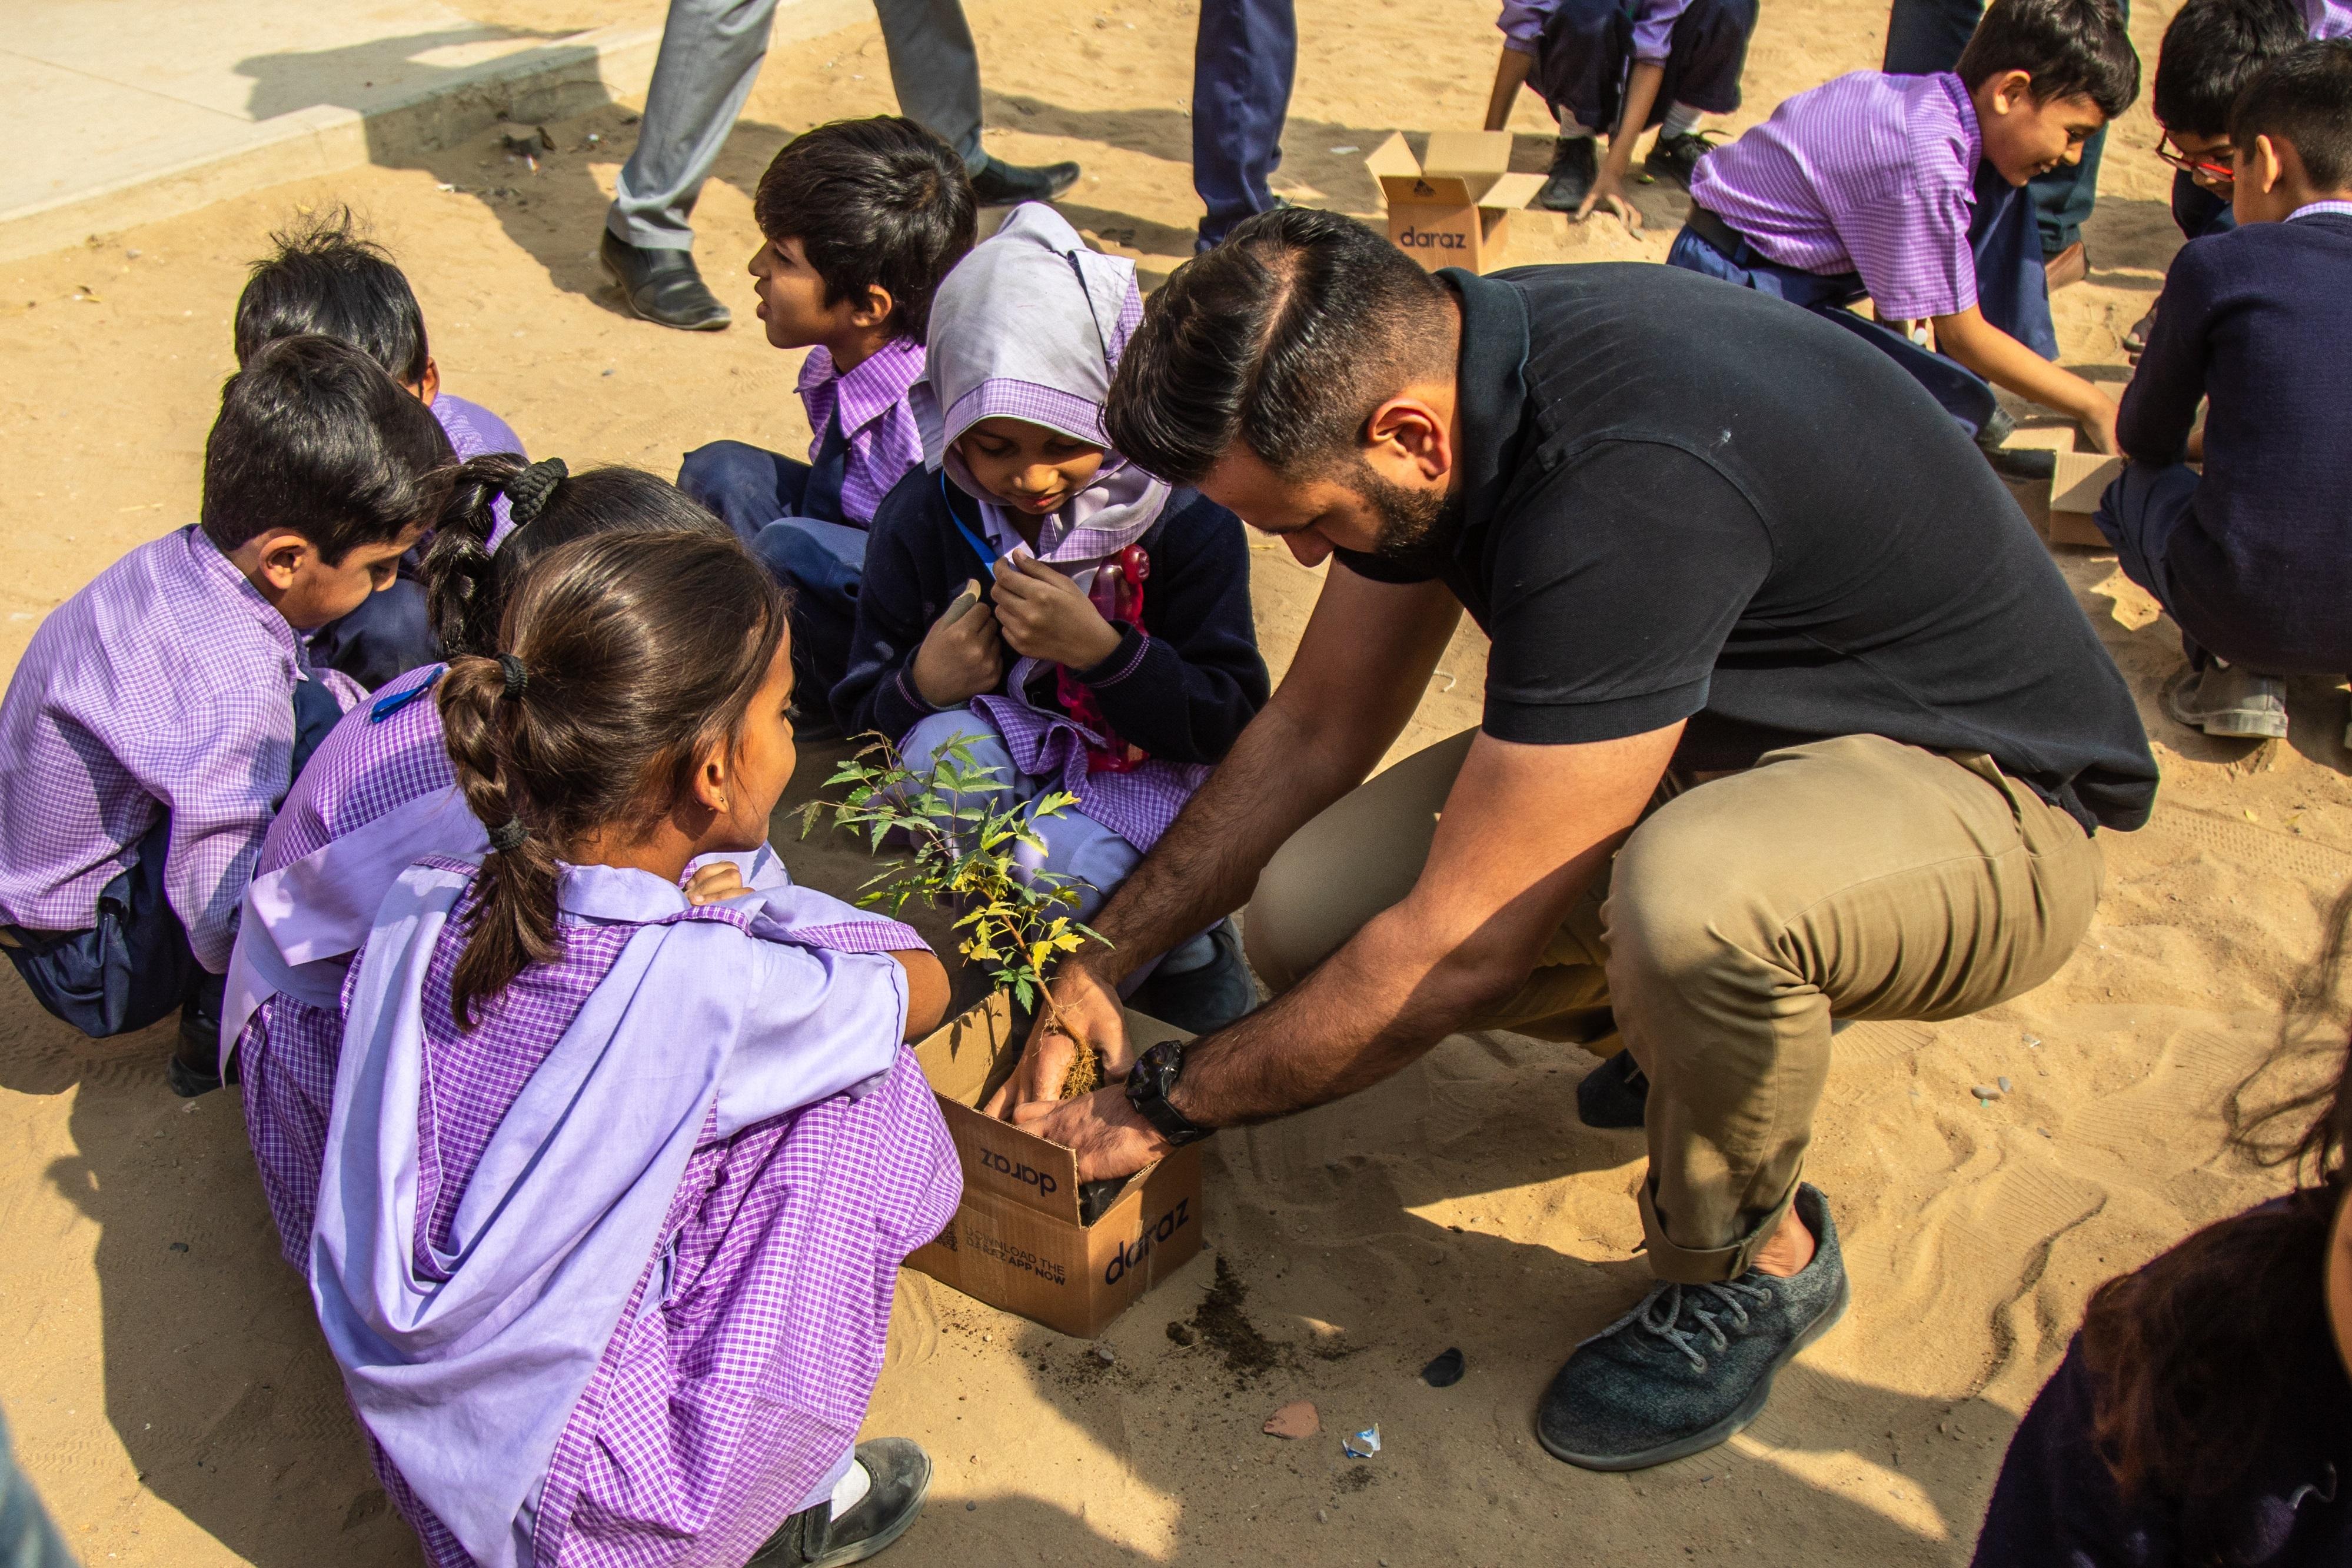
(1708, 1306)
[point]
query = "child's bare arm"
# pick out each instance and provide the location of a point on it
(926, 990)
(1609, 186)
(1510, 75)
(2001, 359)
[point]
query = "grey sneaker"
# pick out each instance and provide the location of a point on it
(2230, 701)
(1693, 1363)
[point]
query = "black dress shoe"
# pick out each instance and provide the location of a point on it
(2028, 464)
(900, 1473)
(1575, 164)
(663, 286)
(1614, 1095)
(1000, 184)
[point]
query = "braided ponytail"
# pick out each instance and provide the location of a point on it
(467, 585)
(626, 656)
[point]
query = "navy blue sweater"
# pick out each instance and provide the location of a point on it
(1182, 685)
(2258, 320)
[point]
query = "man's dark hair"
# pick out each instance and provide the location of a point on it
(324, 278)
(2211, 49)
(877, 203)
(2304, 98)
(314, 436)
(1283, 340)
(2067, 46)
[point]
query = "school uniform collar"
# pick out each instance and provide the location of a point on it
(222, 573)
(1490, 389)
(877, 384)
(625, 894)
(1964, 110)
(2321, 209)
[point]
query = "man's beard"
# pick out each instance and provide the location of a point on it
(1416, 526)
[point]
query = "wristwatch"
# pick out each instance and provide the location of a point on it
(1148, 1084)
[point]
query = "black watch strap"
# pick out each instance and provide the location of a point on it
(1149, 1084)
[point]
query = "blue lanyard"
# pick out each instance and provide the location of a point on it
(979, 547)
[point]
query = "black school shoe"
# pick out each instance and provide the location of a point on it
(1000, 184)
(1575, 164)
(1693, 1363)
(663, 287)
(812, 1538)
(1676, 157)
(1614, 1095)
(1206, 999)
(2032, 464)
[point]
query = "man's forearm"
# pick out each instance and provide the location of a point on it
(1272, 782)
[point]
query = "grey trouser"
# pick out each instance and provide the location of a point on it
(1858, 877)
(710, 55)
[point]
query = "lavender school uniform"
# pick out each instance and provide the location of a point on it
(392, 634)
(1876, 184)
(380, 793)
(609, 1275)
(155, 721)
(1583, 50)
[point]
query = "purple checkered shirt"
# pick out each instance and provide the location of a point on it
(287, 1052)
(167, 685)
(2326, 18)
(1523, 21)
(473, 429)
(1870, 173)
(756, 1329)
(876, 423)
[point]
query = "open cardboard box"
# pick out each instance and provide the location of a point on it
(1017, 1242)
(2062, 515)
(1453, 208)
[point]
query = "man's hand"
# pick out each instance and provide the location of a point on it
(961, 657)
(1087, 1008)
(1045, 615)
(1101, 1128)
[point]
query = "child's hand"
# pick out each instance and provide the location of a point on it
(1047, 616)
(962, 656)
(2099, 426)
(1609, 190)
(715, 883)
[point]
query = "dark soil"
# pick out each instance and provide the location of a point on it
(1221, 1321)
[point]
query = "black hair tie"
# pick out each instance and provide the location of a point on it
(508, 835)
(528, 491)
(517, 677)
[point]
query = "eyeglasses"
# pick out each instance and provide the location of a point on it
(2200, 168)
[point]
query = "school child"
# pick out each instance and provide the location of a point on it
(379, 792)
(1908, 190)
(2248, 558)
(615, 1288)
(159, 714)
(2203, 1415)
(324, 278)
(1085, 625)
(1603, 64)
(860, 220)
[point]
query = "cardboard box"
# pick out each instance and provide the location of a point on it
(1452, 209)
(2062, 513)
(1015, 1241)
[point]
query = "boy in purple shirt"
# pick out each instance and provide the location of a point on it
(1602, 64)
(861, 219)
(159, 714)
(324, 278)
(1909, 189)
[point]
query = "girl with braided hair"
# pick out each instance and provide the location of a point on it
(379, 792)
(625, 1149)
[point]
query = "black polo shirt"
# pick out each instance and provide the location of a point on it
(1686, 500)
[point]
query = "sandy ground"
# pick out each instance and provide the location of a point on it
(166, 1382)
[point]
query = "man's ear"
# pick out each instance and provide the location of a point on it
(874, 309)
(1406, 429)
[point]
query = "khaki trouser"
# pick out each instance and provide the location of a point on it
(1858, 877)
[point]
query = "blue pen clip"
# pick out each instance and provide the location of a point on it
(398, 700)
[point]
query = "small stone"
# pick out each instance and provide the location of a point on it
(1105, 1355)
(1296, 1419)
(972, 1507)
(1984, 1092)
(2005, 1085)
(1322, 1516)
(1445, 1371)
(983, 1339)
(179, 1247)
(2033, 1041)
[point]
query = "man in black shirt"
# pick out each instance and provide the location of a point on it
(1787, 715)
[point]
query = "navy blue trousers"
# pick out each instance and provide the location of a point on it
(760, 495)
(1244, 58)
(1923, 36)
(134, 964)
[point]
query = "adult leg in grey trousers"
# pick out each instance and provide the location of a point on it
(710, 55)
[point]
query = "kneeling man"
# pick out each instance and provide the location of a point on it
(1788, 717)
